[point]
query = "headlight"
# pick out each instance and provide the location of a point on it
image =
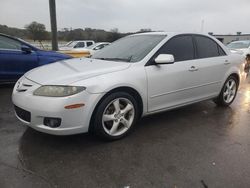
(58, 91)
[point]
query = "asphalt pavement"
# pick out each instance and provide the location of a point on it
(200, 145)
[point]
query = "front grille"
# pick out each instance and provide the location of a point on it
(23, 85)
(23, 114)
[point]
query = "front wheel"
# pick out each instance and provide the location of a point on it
(115, 116)
(228, 92)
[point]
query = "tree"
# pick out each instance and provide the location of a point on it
(113, 35)
(145, 30)
(37, 31)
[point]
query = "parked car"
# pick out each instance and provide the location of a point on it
(242, 47)
(135, 76)
(77, 44)
(18, 57)
(86, 52)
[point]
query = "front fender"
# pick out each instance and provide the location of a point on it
(133, 77)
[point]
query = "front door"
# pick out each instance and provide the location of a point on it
(171, 85)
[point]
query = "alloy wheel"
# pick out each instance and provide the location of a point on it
(118, 116)
(229, 91)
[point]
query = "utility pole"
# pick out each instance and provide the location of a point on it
(52, 9)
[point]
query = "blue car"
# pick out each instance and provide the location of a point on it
(18, 57)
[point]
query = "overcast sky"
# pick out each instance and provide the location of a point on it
(220, 16)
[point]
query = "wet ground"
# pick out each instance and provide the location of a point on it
(196, 146)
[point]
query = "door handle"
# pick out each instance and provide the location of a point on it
(193, 68)
(226, 62)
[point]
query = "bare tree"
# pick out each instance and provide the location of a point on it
(37, 31)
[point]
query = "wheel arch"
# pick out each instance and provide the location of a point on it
(126, 89)
(234, 71)
(236, 76)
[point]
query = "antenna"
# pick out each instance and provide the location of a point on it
(202, 25)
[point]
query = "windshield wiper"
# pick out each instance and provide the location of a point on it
(116, 59)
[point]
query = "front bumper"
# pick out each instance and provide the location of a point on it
(73, 121)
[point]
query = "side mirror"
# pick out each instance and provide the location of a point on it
(164, 59)
(26, 49)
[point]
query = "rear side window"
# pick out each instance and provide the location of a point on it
(207, 47)
(221, 51)
(89, 43)
(181, 47)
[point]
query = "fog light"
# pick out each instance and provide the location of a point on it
(52, 122)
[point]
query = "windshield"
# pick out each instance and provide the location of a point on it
(129, 49)
(71, 44)
(239, 44)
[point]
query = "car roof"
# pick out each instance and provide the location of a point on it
(244, 41)
(172, 33)
(9, 36)
(82, 41)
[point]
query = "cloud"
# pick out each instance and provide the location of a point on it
(224, 16)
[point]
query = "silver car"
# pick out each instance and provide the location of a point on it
(135, 76)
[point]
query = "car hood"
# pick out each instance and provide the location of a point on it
(53, 54)
(73, 70)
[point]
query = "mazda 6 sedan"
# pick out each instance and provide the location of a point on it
(135, 76)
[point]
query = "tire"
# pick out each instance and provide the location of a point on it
(228, 92)
(115, 116)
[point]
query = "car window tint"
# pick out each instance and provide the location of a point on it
(221, 51)
(132, 48)
(181, 47)
(9, 44)
(89, 43)
(206, 47)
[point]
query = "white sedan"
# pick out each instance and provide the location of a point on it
(93, 48)
(241, 46)
(135, 76)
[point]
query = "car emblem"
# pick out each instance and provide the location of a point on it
(18, 85)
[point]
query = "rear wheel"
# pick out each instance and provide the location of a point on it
(115, 116)
(228, 92)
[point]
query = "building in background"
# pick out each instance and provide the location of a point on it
(225, 39)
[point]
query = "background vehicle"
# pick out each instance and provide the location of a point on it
(86, 52)
(77, 44)
(242, 47)
(135, 76)
(18, 57)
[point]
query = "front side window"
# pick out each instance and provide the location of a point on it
(207, 47)
(129, 49)
(80, 45)
(9, 44)
(181, 47)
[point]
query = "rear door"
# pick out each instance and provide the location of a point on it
(13, 61)
(212, 64)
